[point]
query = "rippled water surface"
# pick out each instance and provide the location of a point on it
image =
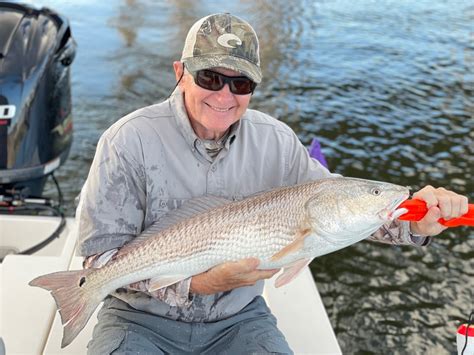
(385, 85)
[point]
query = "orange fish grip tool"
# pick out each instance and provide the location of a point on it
(417, 210)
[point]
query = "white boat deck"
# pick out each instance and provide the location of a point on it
(31, 325)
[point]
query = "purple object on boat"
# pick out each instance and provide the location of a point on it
(316, 153)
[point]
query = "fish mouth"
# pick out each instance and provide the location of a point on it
(392, 211)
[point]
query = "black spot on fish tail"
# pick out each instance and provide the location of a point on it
(82, 281)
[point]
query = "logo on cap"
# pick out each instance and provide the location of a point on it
(224, 40)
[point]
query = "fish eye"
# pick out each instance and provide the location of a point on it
(81, 281)
(376, 191)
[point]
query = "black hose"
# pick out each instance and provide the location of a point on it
(60, 194)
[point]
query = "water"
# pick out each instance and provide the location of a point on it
(385, 85)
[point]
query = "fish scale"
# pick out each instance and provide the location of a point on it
(286, 227)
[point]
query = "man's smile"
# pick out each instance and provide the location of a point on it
(220, 109)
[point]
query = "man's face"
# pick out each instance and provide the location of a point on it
(211, 112)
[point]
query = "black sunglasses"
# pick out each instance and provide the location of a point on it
(211, 80)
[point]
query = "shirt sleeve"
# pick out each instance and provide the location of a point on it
(398, 233)
(112, 202)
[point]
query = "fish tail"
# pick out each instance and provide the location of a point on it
(75, 303)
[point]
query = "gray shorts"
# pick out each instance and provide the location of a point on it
(124, 330)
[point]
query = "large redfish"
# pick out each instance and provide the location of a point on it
(286, 227)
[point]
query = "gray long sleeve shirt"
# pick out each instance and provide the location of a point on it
(151, 161)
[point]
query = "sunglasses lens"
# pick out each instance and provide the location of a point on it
(242, 86)
(210, 80)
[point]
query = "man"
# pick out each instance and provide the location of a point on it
(203, 140)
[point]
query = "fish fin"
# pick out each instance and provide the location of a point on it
(75, 303)
(291, 271)
(294, 246)
(163, 281)
(188, 209)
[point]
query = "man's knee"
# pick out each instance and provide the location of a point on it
(105, 341)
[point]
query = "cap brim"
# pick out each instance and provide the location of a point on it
(225, 61)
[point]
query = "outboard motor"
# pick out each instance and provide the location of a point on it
(36, 51)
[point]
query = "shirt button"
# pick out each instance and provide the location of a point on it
(213, 168)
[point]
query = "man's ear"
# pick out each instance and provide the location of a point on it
(178, 67)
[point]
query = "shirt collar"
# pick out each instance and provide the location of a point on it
(184, 125)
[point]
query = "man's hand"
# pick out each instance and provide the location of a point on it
(441, 203)
(227, 276)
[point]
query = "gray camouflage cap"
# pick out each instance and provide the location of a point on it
(223, 40)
